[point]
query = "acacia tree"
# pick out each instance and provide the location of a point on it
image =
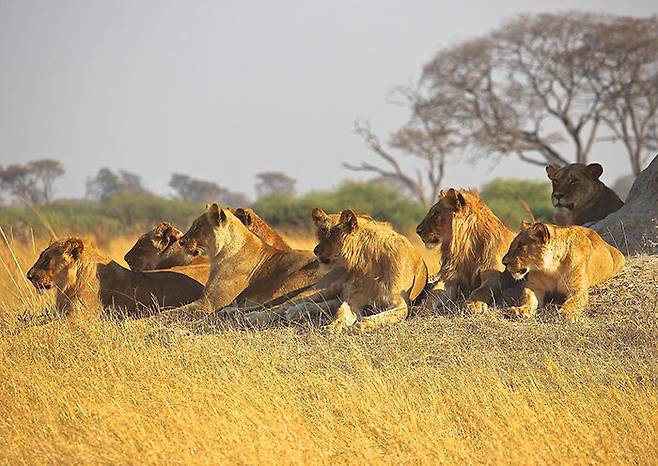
(195, 190)
(427, 136)
(32, 182)
(106, 184)
(541, 81)
(274, 183)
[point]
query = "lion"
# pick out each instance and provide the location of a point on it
(84, 279)
(579, 197)
(159, 248)
(473, 242)
(261, 228)
(244, 270)
(383, 271)
(323, 297)
(560, 261)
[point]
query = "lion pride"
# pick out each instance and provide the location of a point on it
(579, 197)
(557, 260)
(473, 242)
(85, 280)
(383, 272)
(244, 270)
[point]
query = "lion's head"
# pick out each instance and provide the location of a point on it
(437, 226)
(574, 185)
(324, 222)
(153, 249)
(260, 227)
(528, 250)
(214, 230)
(332, 232)
(55, 265)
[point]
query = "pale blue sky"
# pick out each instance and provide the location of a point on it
(224, 89)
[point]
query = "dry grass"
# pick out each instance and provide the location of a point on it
(448, 389)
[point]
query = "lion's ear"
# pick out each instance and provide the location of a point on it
(525, 224)
(319, 216)
(215, 215)
(244, 215)
(455, 198)
(348, 218)
(551, 171)
(540, 232)
(594, 170)
(74, 247)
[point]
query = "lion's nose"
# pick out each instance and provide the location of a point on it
(557, 196)
(419, 230)
(506, 260)
(182, 241)
(316, 250)
(30, 275)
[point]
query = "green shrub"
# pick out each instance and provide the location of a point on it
(381, 202)
(506, 197)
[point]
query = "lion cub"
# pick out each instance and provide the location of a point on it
(565, 261)
(382, 270)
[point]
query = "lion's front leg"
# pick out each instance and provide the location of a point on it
(574, 305)
(391, 316)
(345, 317)
(312, 309)
(190, 312)
(480, 299)
(530, 300)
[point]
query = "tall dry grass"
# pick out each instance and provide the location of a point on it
(434, 389)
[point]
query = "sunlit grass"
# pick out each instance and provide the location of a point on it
(434, 389)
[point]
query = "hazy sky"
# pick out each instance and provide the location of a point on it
(225, 89)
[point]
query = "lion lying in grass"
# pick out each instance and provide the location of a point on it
(85, 280)
(382, 271)
(159, 248)
(245, 271)
(320, 298)
(564, 261)
(473, 242)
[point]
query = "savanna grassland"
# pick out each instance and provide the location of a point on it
(441, 387)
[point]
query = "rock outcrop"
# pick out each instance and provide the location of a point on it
(633, 229)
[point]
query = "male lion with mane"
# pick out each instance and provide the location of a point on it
(473, 242)
(84, 279)
(579, 197)
(383, 271)
(563, 261)
(244, 270)
(320, 298)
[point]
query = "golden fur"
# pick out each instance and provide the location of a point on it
(323, 297)
(473, 241)
(85, 280)
(579, 197)
(159, 248)
(244, 270)
(382, 270)
(261, 228)
(564, 261)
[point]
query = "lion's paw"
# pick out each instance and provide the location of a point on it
(476, 307)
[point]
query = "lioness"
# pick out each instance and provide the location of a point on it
(244, 270)
(159, 248)
(562, 261)
(383, 270)
(85, 279)
(579, 197)
(473, 242)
